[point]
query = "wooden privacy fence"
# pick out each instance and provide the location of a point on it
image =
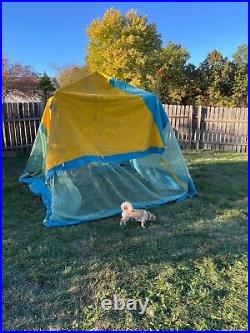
(20, 122)
(211, 128)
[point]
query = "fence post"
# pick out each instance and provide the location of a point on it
(198, 127)
(190, 125)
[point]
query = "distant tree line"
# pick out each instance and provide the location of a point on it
(23, 80)
(129, 48)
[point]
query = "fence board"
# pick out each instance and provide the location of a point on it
(212, 128)
(20, 122)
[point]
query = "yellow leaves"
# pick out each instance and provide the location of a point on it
(70, 74)
(123, 46)
(130, 39)
(112, 15)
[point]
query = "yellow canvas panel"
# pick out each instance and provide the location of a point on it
(93, 84)
(90, 117)
(47, 114)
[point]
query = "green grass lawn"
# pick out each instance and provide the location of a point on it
(191, 263)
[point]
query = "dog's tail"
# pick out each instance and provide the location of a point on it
(127, 206)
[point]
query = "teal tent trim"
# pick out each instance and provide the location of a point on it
(113, 212)
(81, 161)
(38, 187)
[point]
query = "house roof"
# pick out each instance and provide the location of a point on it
(18, 97)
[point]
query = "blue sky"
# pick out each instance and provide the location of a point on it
(43, 34)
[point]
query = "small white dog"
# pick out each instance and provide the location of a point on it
(141, 215)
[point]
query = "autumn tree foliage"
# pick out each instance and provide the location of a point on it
(129, 48)
(172, 77)
(216, 80)
(17, 78)
(71, 73)
(124, 46)
(240, 87)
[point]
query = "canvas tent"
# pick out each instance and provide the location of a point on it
(102, 141)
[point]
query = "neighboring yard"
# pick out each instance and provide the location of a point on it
(191, 262)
